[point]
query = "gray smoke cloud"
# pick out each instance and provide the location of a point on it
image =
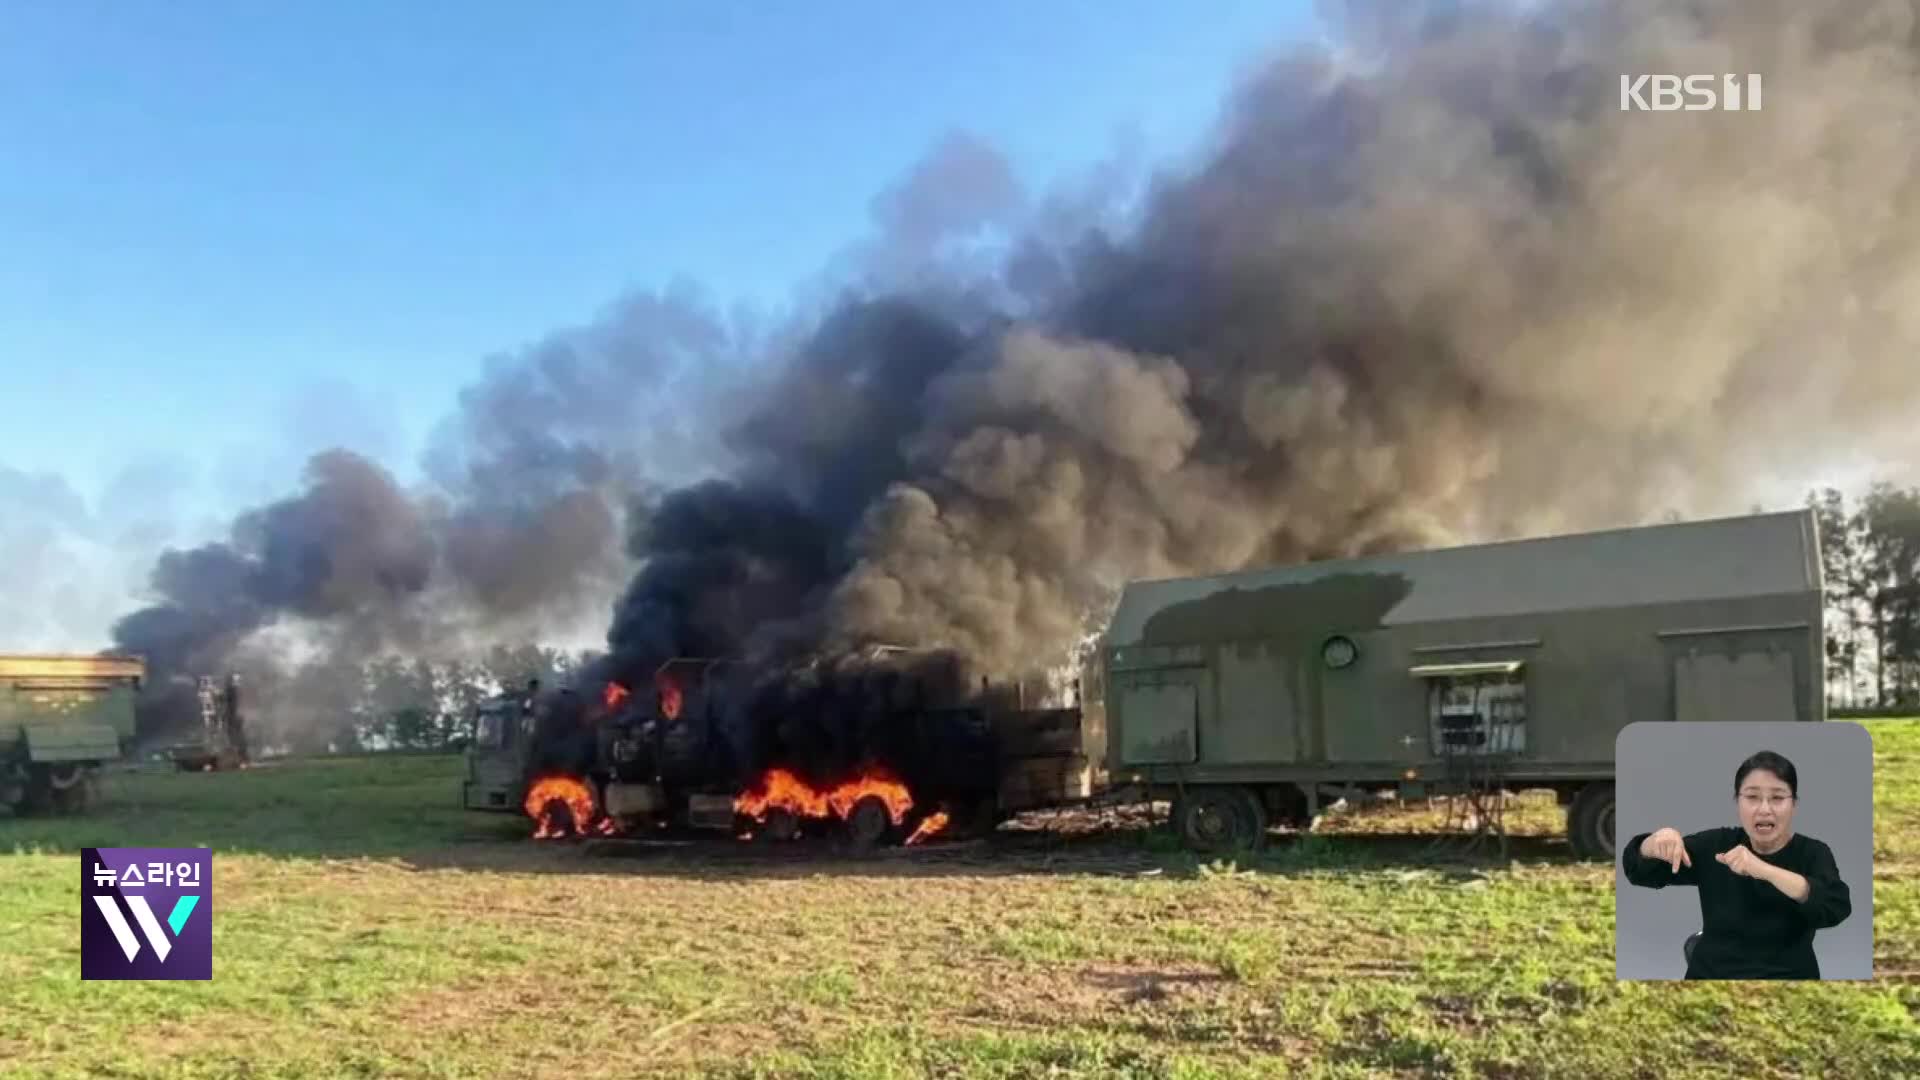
(1427, 283)
(515, 534)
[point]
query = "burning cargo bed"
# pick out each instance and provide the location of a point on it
(713, 748)
(955, 770)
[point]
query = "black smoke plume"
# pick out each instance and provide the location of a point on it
(1431, 285)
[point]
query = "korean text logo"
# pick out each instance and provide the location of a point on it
(1693, 93)
(146, 913)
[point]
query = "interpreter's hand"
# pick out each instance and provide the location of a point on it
(1743, 862)
(1668, 846)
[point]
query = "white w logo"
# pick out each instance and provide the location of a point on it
(148, 924)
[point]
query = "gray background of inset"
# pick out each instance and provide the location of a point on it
(1681, 775)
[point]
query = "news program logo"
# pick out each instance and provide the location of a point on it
(1693, 93)
(146, 913)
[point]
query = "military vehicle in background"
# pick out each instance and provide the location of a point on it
(1262, 697)
(220, 740)
(62, 717)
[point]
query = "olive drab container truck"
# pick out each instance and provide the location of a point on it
(61, 718)
(1253, 698)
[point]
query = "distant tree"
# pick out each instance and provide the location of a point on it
(1890, 527)
(1847, 625)
(412, 728)
(467, 684)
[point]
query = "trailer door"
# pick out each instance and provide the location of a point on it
(1159, 712)
(1744, 686)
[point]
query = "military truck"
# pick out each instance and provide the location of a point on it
(1260, 696)
(680, 753)
(61, 718)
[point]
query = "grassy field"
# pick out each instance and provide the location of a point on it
(365, 927)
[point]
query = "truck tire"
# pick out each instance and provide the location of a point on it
(778, 827)
(1590, 821)
(1218, 819)
(868, 824)
(76, 798)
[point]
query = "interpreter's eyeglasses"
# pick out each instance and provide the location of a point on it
(1751, 799)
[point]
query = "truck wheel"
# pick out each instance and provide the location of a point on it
(778, 827)
(1590, 822)
(1219, 818)
(75, 798)
(867, 825)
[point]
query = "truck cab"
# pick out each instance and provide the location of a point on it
(497, 757)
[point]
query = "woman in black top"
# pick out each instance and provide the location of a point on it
(1763, 889)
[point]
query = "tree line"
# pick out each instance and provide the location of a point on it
(389, 702)
(1870, 551)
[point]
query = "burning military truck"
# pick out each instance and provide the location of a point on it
(1246, 700)
(885, 746)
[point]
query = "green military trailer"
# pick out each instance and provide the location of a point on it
(1256, 697)
(61, 718)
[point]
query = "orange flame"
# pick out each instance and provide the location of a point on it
(780, 789)
(891, 791)
(929, 828)
(670, 698)
(615, 694)
(577, 796)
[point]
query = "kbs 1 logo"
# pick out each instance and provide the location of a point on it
(1692, 93)
(146, 913)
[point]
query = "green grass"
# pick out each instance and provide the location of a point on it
(365, 926)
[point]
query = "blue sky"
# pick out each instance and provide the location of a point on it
(213, 212)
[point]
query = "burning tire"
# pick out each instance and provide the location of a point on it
(867, 825)
(561, 807)
(778, 827)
